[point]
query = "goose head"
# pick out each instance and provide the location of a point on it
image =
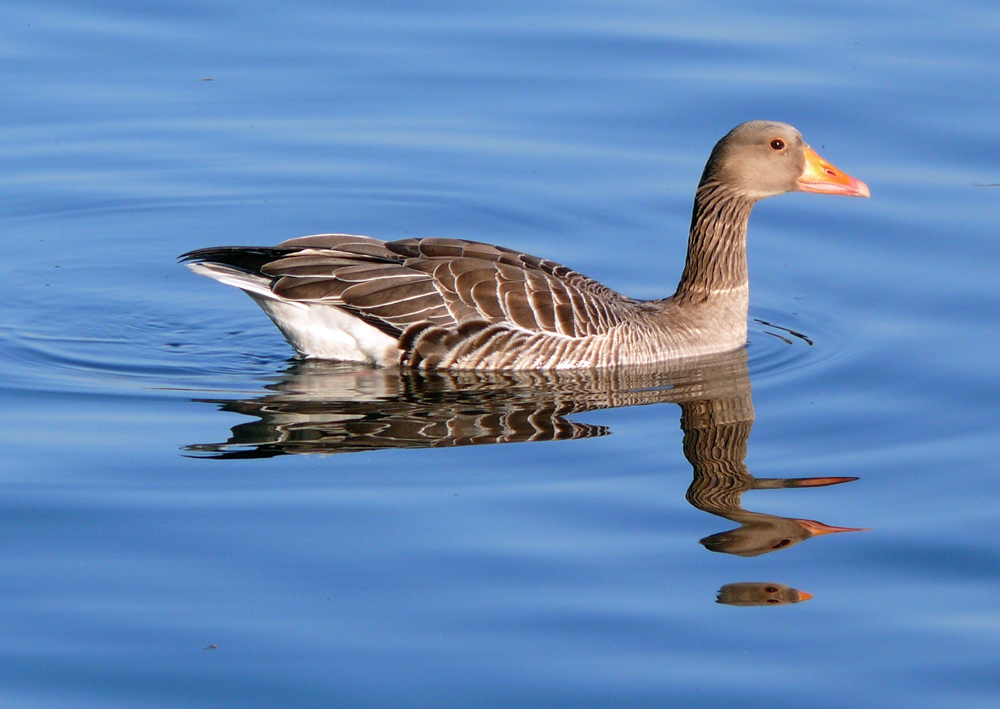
(760, 159)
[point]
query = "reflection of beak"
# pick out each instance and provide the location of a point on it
(817, 528)
(804, 596)
(817, 482)
(821, 176)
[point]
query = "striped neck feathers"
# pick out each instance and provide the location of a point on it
(717, 246)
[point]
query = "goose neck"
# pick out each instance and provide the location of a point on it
(717, 245)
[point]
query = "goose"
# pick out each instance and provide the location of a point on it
(433, 303)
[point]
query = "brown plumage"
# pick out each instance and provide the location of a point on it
(452, 304)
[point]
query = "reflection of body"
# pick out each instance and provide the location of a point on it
(321, 407)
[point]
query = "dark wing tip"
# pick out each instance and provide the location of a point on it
(245, 258)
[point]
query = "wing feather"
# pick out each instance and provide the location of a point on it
(486, 299)
(385, 291)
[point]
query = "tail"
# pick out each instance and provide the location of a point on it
(250, 259)
(237, 266)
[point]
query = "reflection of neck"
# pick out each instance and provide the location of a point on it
(715, 443)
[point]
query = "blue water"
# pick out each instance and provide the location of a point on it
(177, 526)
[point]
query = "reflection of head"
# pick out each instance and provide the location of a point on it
(760, 533)
(760, 593)
(756, 537)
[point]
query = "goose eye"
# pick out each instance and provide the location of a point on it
(777, 145)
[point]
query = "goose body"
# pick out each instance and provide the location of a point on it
(448, 303)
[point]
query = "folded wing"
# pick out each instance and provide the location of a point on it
(443, 282)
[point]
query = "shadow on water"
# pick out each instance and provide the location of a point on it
(321, 407)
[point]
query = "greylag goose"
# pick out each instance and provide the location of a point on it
(453, 304)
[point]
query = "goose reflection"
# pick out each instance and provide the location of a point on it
(321, 407)
(715, 443)
(760, 593)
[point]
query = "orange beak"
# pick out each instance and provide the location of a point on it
(820, 176)
(804, 596)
